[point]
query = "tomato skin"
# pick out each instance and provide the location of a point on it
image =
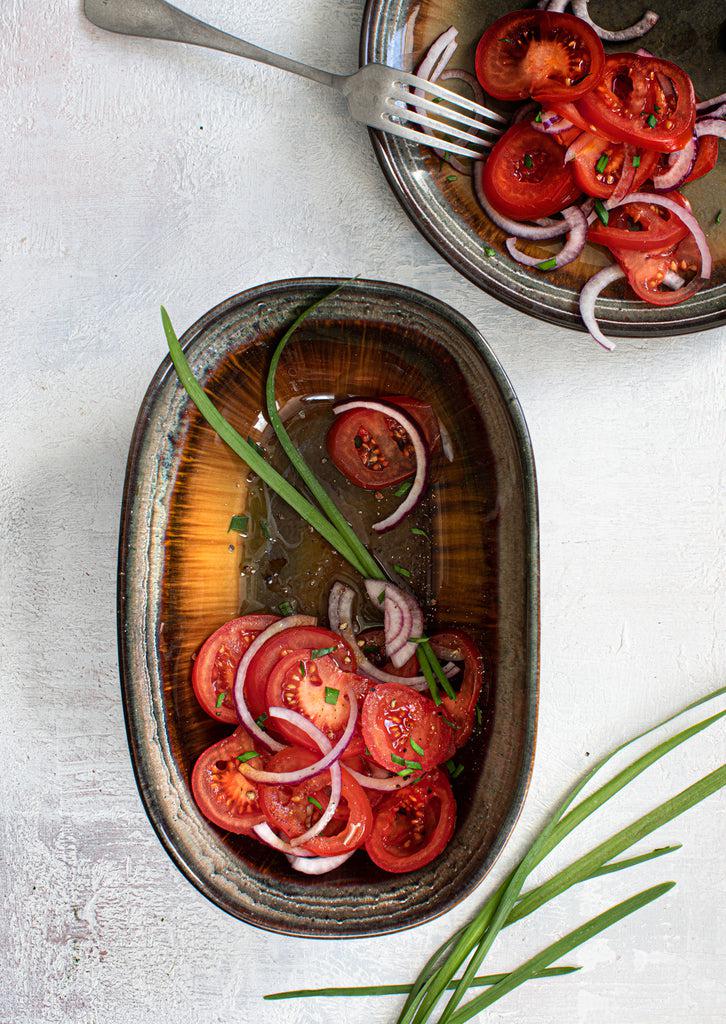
(395, 715)
(706, 158)
(222, 793)
(215, 666)
(462, 711)
(661, 229)
(596, 183)
(422, 815)
(525, 193)
(530, 53)
(280, 645)
(288, 810)
(622, 106)
(645, 272)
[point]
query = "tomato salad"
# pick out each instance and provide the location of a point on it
(597, 152)
(344, 739)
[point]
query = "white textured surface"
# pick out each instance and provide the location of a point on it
(134, 172)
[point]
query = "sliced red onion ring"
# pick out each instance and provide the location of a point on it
(387, 785)
(625, 181)
(532, 232)
(446, 445)
(319, 737)
(436, 58)
(265, 833)
(597, 283)
(399, 647)
(243, 712)
(397, 623)
(646, 23)
(576, 238)
(419, 449)
(551, 123)
(684, 215)
(681, 164)
(407, 55)
(673, 280)
(302, 774)
(716, 112)
(319, 865)
(715, 101)
(456, 74)
(710, 126)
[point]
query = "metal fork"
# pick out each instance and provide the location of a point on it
(377, 95)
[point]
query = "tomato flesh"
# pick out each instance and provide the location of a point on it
(398, 723)
(290, 810)
(223, 794)
(525, 176)
(706, 157)
(542, 54)
(642, 227)
(646, 270)
(215, 666)
(413, 825)
(599, 166)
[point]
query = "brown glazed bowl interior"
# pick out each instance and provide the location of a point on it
(181, 575)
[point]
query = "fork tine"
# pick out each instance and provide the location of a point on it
(439, 127)
(404, 78)
(444, 111)
(392, 128)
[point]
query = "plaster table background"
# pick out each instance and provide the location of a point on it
(137, 172)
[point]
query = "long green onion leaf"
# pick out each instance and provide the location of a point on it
(428, 673)
(631, 862)
(442, 681)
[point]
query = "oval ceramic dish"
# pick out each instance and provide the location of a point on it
(442, 205)
(181, 575)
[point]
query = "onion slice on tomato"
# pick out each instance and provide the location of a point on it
(710, 126)
(597, 283)
(532, 232)
(684, 215)
(336, 781)
(419, 449)
(245, 716)
(646, 23)
(318, 865)
(265, 833)
(551, 123)
(302, 774)
(576, 238)
(386, 785)
(680, 166)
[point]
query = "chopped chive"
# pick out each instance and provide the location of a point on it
(398, 760)
(419, 533)
(405, 772)
(403, 488)
(478, 715)
(428, 673)
(285, 608)
(238, 524)
(265, 529)
(441, 679)
(636, 161)
(505, 39)
(261, 720)
(656, 108)
(315, 803)
(402, 572)
(549, 264)
(331, 695)
(602, 211)
(488, 251)
(451, 177)
(451, 725)
(538, 117)
(320, 652)
(220, 699)
(652, 120)
(257, 447)
(247, 756)
(358, 441)
(367, 752)
(414, 765)
(602, 163)
(382, 597)
(302, 668)
(528, 161)
(371, 648)
(416, 747)
(454, 769)
(717, 218)
(418, 639)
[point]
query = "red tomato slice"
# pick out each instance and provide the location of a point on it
(223, 794)
(706, 157)
(645, 272)
(641, 227)
(289, 809)
(215, 666)
(598, 167)
(545, 55)
(571, 113)
(525, 176)
(398, 723)
(462, 711)
(317, 689)
(372, 450)
(277, 647)
(629, 104)
(413, 825)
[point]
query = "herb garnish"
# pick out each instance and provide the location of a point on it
(454, 769)
(651, 120)
(220, 699)
(415, 747)
(239, 524)
(451, 177)
(261, 720)
(538, 116)
(549, 264)
(419, 533)
(285, 608)
(301, 666)
(636, 161)
(488, 251)
(402, 572)
(717, 218)
(265, 529)
(358, 441)
(602, 211)
(331, 695)
(315, 803)
(247, 756)
(602, 163)
(528, 161)
(320, 652)
(403, 488)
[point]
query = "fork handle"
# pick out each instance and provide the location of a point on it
(156, 19)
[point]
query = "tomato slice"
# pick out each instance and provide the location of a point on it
(413, 825)
(223, 794)
(706, 157)
(630, 105)
(642, 227)
(372, 450)
(468, 683)
(277, 647)
(525, 175)
(645, 272)
(317, 689)
(215, 666)
(545, 55)
(290, 810)
(599, 166)
(398, 723)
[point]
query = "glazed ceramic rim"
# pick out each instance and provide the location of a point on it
(145, 785)
(515, 285)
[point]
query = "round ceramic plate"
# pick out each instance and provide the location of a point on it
(442, 204)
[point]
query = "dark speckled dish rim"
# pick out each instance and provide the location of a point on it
(504, 291)
(144, 784)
